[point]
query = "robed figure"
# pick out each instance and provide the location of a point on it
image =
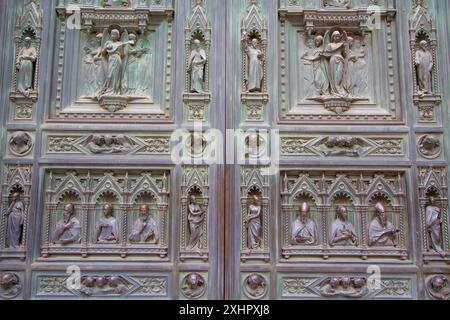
(68, 230)
(15, 222)
(253, 224)
(196, 217)
(255, 72)
(115, 53)
(25, 67)
(424, 65)
(381, 231)
(107, 229)
(304, 229)
(434, 225)
(145, 228)
(321, 84)
(197, 63)
(342, 231)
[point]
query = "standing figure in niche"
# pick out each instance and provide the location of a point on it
(25, 67)
(196, 217)
(137, 70)
(15, 222)
(115, 62)
(94, 76)
(434, 225)
(304, 229)
(381, 231)
(424, 65)
(106, 229)
(197, 63)
(342, 231)
(68, 229)
(145, 229)
(321, 84)
(253, 224)
(255, 64)
(336, 52)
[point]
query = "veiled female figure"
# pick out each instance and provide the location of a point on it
(196, 216)
(197, 62)
(25, 65)
(253, 224)
(321, 83)
(336, 51)
(255, 65)
(434, 222)
(15, 221)
(115, 62)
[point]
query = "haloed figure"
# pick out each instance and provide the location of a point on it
(304, 229)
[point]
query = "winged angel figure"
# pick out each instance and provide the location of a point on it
(115, 56)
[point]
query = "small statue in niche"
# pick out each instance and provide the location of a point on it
(106, 229)
(255, 72)
(10, 285)
(25, 66)
(15, 213)
(197, 63)
(304, 229)
(94, 75)
(438, 287)
(424, 66)
(196, 217)
(434, 226)
(137, 74)
(145, 229)
(20, 143)
(193, 286)
(320, 82)
(68, 229)
(381, 231)
(342, 231)
(115, 53)
(196, 144)
(253, 224)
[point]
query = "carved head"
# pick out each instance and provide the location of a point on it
(109, 140)
(144, 211)
(107, 210)
(359, 283)
(194, 281)
(8, 280)
(69, 210)
(432, 201)
(346, 282)
(114, 281)
(331, 142)
(99, 37)
(304, 211)
(318, 41)
(438, 283)
(197, 43)
(381, 213)
(97, 139)
(101, 282)
(15, 197)
(132, 37)
(423, 44)
(335, 282)
(20, 138)
(255, 281)
(27, 42)
(255, 42)
(341, 213)
(350, 41)
(255, 199)
(336, 36)
(115, 35)
(193, 199)
(88, 281)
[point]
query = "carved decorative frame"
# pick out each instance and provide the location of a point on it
(140, 19)
(195, 182)
(28, 24)
(255, 25)
(16, 178)
(359, 192)
(306, 22)
(87, 189)
(422, 27)
(254, 182)
(197, 27)
(433, 182)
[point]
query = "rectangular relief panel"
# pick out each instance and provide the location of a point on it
(343, 214)
(113, 214)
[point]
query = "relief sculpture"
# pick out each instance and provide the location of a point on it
(106, 229)
(381, 230)
(304, 229)
(68, 230)
(145, 228)
(342, 231)
(15, 222)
